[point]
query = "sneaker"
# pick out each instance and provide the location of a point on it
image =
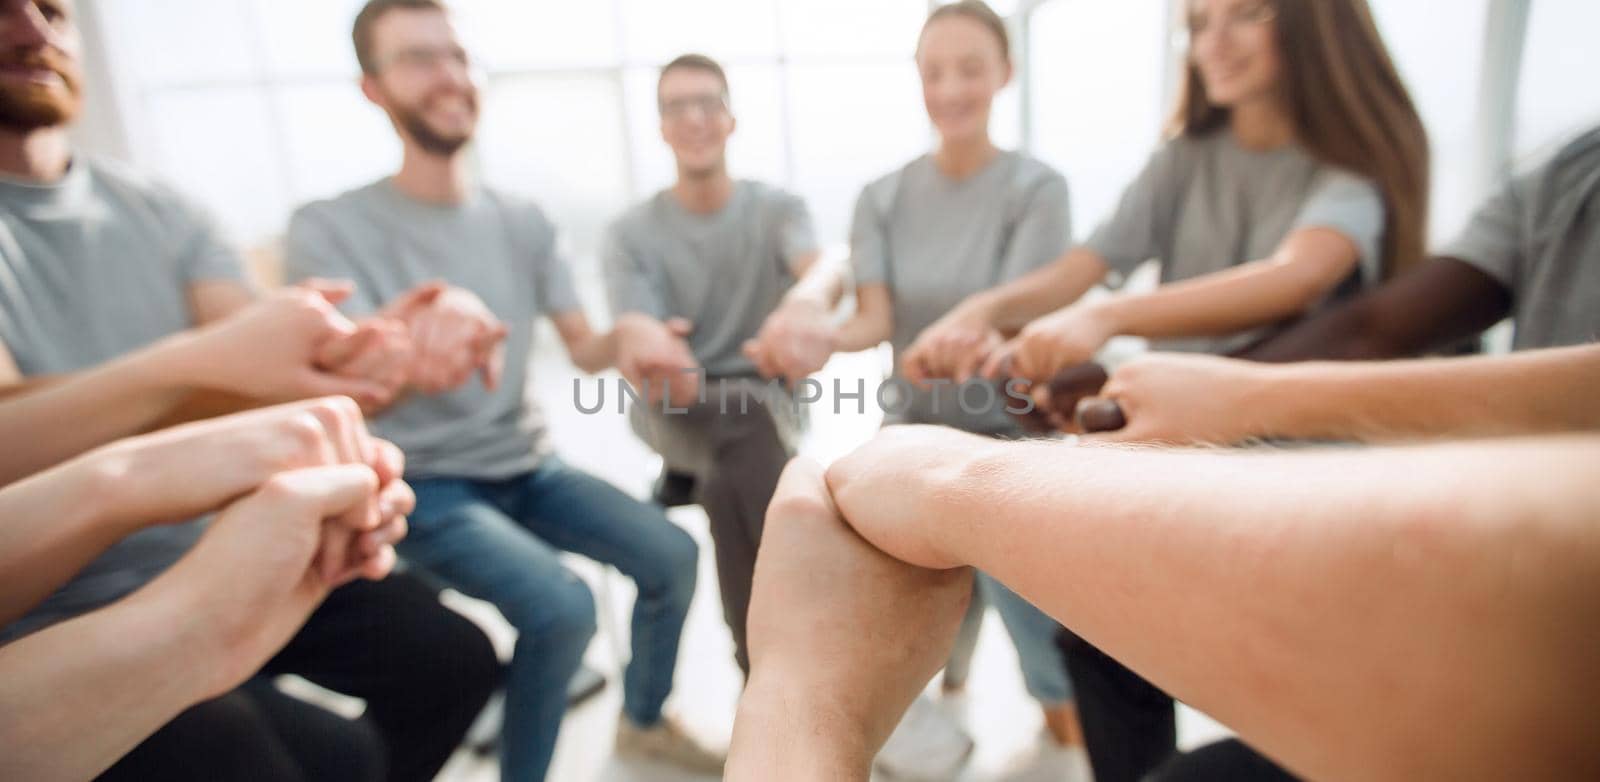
(926, 746)
(1047, 760)
(666, 742)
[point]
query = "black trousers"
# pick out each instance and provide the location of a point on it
(1130, 728)
(424, 671)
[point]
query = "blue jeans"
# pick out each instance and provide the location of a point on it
(1044, 667)
(499, 540)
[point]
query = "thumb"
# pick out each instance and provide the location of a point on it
(1101, 414)
(421, 296)
(333, 291)
(680, 327)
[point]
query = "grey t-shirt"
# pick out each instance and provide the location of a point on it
(93, 267)
(1204, 203)
(934, 241)
(501, 248)
(725, 272)
(1540, 237)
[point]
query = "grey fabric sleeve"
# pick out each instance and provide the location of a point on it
(1136, 231)
(795, 230)
(630, 287)
(554, 291)
(1352, 206)
(1044, 230)
(869, 245)
(204, 254)
(311, 248)
(1492, 240)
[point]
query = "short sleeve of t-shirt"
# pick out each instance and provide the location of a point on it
(1492, 240)
(796, 232)
(554, 291)
(313, 249)
(1135, 232)
(1044, 229)
(630, 287)
(1352, 206)
(204, 254)
(869, 243)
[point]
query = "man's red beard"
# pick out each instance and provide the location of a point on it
(34, 106)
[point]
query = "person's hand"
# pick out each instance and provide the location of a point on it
(453, 334)
(179, 473)
(954, 347)
(655, 355)
(256, 574)
(1050, 344)
(1055, 404)
(842, 638)
(796, 340)
(270, 349)
(892, 489)
(1181, 399)
(379, 350)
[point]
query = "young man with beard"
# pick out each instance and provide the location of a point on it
(495, 506)
(96, 262)
(713, 257)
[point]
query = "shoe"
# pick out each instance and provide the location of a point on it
(666, 742)
(926, 746)
(1047, 760)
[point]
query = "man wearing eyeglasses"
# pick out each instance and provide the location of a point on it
(495, 506)
(693, 272)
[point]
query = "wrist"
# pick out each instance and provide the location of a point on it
(1108, 317)
(99, 480)
(785, 727)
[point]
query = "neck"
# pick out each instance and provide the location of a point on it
(36, 155)
(961, 159)
(704, 193)
(1261, 124)
(431, 178)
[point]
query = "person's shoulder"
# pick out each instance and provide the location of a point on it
(1029, 173)
(357, 203)
(136, 188)
(1566, 169)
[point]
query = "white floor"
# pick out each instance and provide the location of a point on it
(995, 709)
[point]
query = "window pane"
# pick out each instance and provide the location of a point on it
(216, 146)
(560, 140)
(334, 140)
(654, 32)
(1559, 59)
(1440, 56)
(516, 34)
(308, 37)
(851, 124)
(851, 28)
(182, 41)
(1097, 131)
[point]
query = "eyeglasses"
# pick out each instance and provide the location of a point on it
(427, 58)
(679, 108)
(1239, 17)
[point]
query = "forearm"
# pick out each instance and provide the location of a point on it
(122, 398)
(1286, 593)
(1537, 392)
(1245, 297)
(783, 732)
(51, 526)
(78, 695)
(821, 282)
(1015, 304)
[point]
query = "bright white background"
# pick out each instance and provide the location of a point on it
(251, 105)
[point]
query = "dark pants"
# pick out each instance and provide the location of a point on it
(1130, 728)
(424, 672)
(736, 459)
(1129, 725)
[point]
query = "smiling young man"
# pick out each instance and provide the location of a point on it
(693, 272)
(495, 506)
(97, 262)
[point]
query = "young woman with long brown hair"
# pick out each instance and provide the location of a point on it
(1295, 171)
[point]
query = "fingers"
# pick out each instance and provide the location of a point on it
(336, 352)
(333, 291)
(315, 382)
(758, 353)
(1101, 414)
(680, 327)
(408, 304)
(1001, 362)
(389, 461)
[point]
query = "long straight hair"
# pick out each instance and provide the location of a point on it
(1349, 109)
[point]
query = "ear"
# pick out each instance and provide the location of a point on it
(1010, 73)
(369, 88)
(733, 124)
